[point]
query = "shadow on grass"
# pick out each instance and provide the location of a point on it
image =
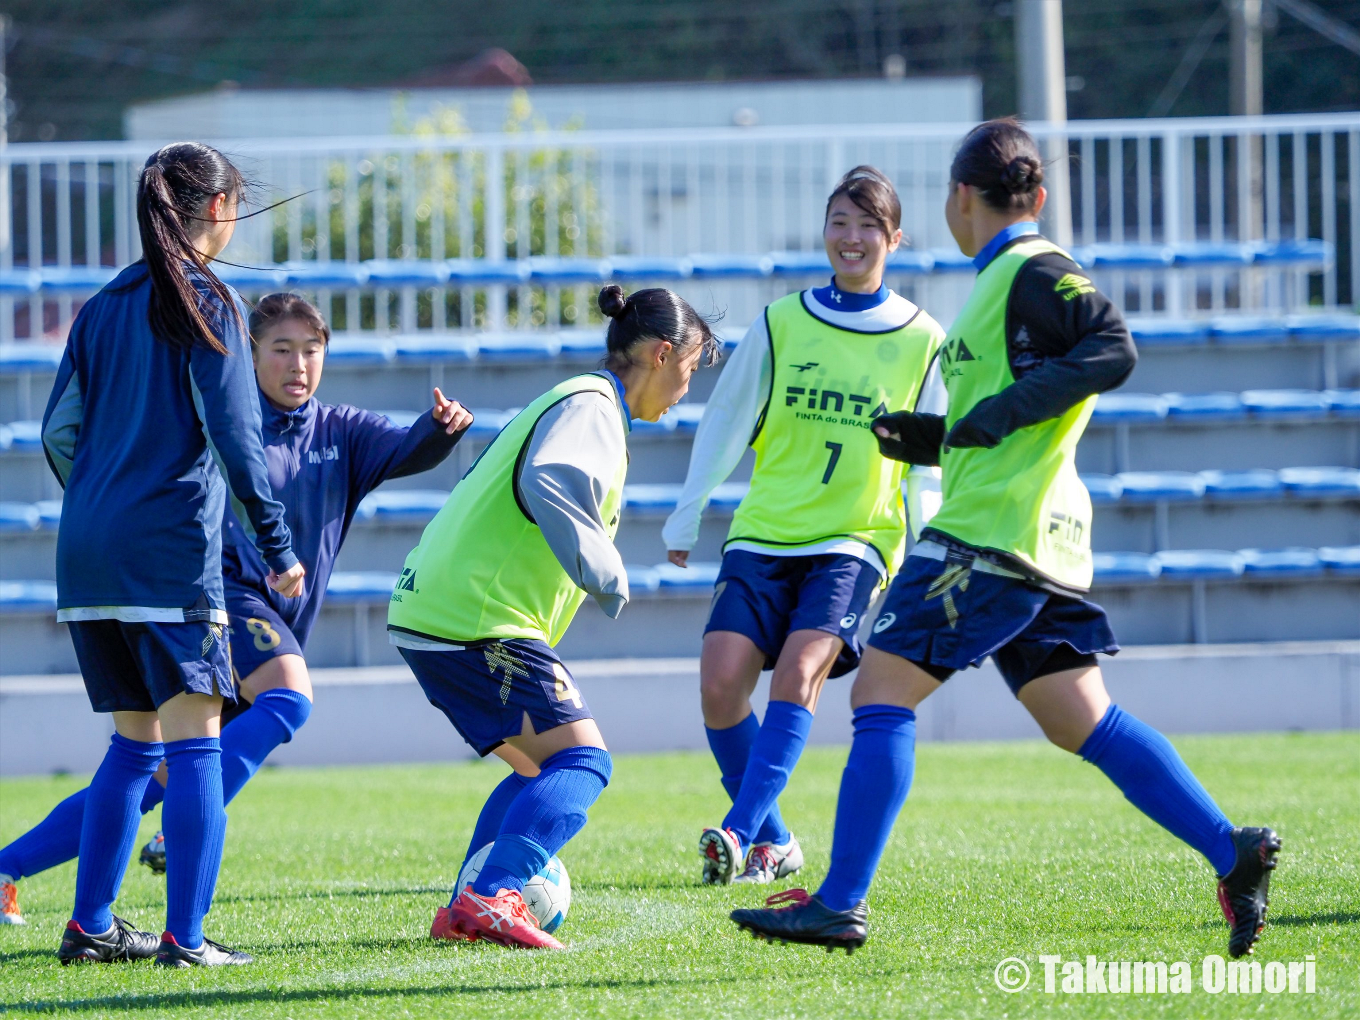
(27, 954)
(1308, 920)
(333, 894)
(224, 998)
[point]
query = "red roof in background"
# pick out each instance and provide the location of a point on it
(493, 67)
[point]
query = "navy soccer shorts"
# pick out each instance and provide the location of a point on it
(766, 598)
(258, 632)
(137, 667)
(947, 613)
(487, 687)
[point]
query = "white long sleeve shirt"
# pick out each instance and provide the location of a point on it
(734, 408)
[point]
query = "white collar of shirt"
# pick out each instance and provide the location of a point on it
(894, 313)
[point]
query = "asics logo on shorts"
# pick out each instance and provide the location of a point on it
(500, 657)
(955, 576)
(884, 622)
(848, 621)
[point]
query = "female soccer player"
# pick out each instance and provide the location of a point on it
(322, 460)
(153, 393)
(823, 526)
(498, 576)
(1004, 567)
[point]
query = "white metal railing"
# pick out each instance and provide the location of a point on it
(678, 192)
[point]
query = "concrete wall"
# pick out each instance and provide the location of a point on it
(380, 715)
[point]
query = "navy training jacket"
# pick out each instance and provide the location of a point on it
(323, 459)
(141, 434)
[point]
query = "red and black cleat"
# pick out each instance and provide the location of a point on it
(807, 921)
(1243, 893)
(120, 944)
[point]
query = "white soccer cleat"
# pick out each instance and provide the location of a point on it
(9, 903)
(769, 861)
(721, 851)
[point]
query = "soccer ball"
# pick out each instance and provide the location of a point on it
(547, 894)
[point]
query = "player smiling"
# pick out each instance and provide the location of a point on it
(823, 525)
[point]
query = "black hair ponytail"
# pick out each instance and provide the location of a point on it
(1001, 160)
(652, 314)
(175, 185)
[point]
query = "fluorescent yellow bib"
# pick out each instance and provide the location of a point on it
(483, 569)
(1022, 498)
(818, 472)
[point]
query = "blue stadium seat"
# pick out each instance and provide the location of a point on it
(27, 596)
(1343, 559)
(1242, 485)
(642, 578)
(1292, 561)
(910, 262)
(582, 342)
(1124, 256)
(1344, 403)
(1169, 332)
(1284, 403)
(402, 505)
(353, 351)
(569, 270)
(950, 260)
(18, 517)
(696, 575)
(402, 419)
(25, 435)
(1160, 486)
(687, 416)
(1118, 407)
(651, 498)
(1209, 255)
(1125, 567)
(1199, 563)
(727, 495)
(1323, 328)
(250, 278)
(350, 586)
(800, 263)
(1204, 406)
(29, 357)
(1321, 482)
(646, 267)
(487, 422)
(433, 350)
(1104, 489)
(49, 513)
(76, 279)
(406, 273)
(517, 347)
(6, 438)
(473, 271)
(325, 275)
(1308, 252)
(734, 266)
(1228, 329)
(19, 282)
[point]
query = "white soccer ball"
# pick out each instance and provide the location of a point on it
(547, 894)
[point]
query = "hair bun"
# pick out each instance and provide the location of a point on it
(1022, 174)
(612, 301)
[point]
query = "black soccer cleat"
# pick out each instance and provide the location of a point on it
(1243, 892)
(153, 854)
(807, 921)
(209, 954)
(120, 944)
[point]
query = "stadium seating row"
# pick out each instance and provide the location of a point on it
(569, 271)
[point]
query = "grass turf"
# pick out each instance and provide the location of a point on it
(332, 876)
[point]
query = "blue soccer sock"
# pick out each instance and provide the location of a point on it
(488, 825)
(731, 748)
(55, 840)
(109, 828)
(249, 738)
(1150, 774)
(195, 824)
(155, 793)
(775, 752)
(544, 816)
(874, 787)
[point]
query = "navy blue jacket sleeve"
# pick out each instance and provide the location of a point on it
(228, 405)
(382, 450)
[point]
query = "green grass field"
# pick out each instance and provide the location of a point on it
(332, 876)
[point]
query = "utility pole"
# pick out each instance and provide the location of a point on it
(1244, 40)
(1043, 97)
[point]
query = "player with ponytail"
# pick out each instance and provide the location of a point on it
(499, 574)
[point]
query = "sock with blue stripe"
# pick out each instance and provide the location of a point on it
(731, 748)
(1154, 779)
(874, 787)
(544, 816)
(109, 828)
(195, 823)
(775, 752)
